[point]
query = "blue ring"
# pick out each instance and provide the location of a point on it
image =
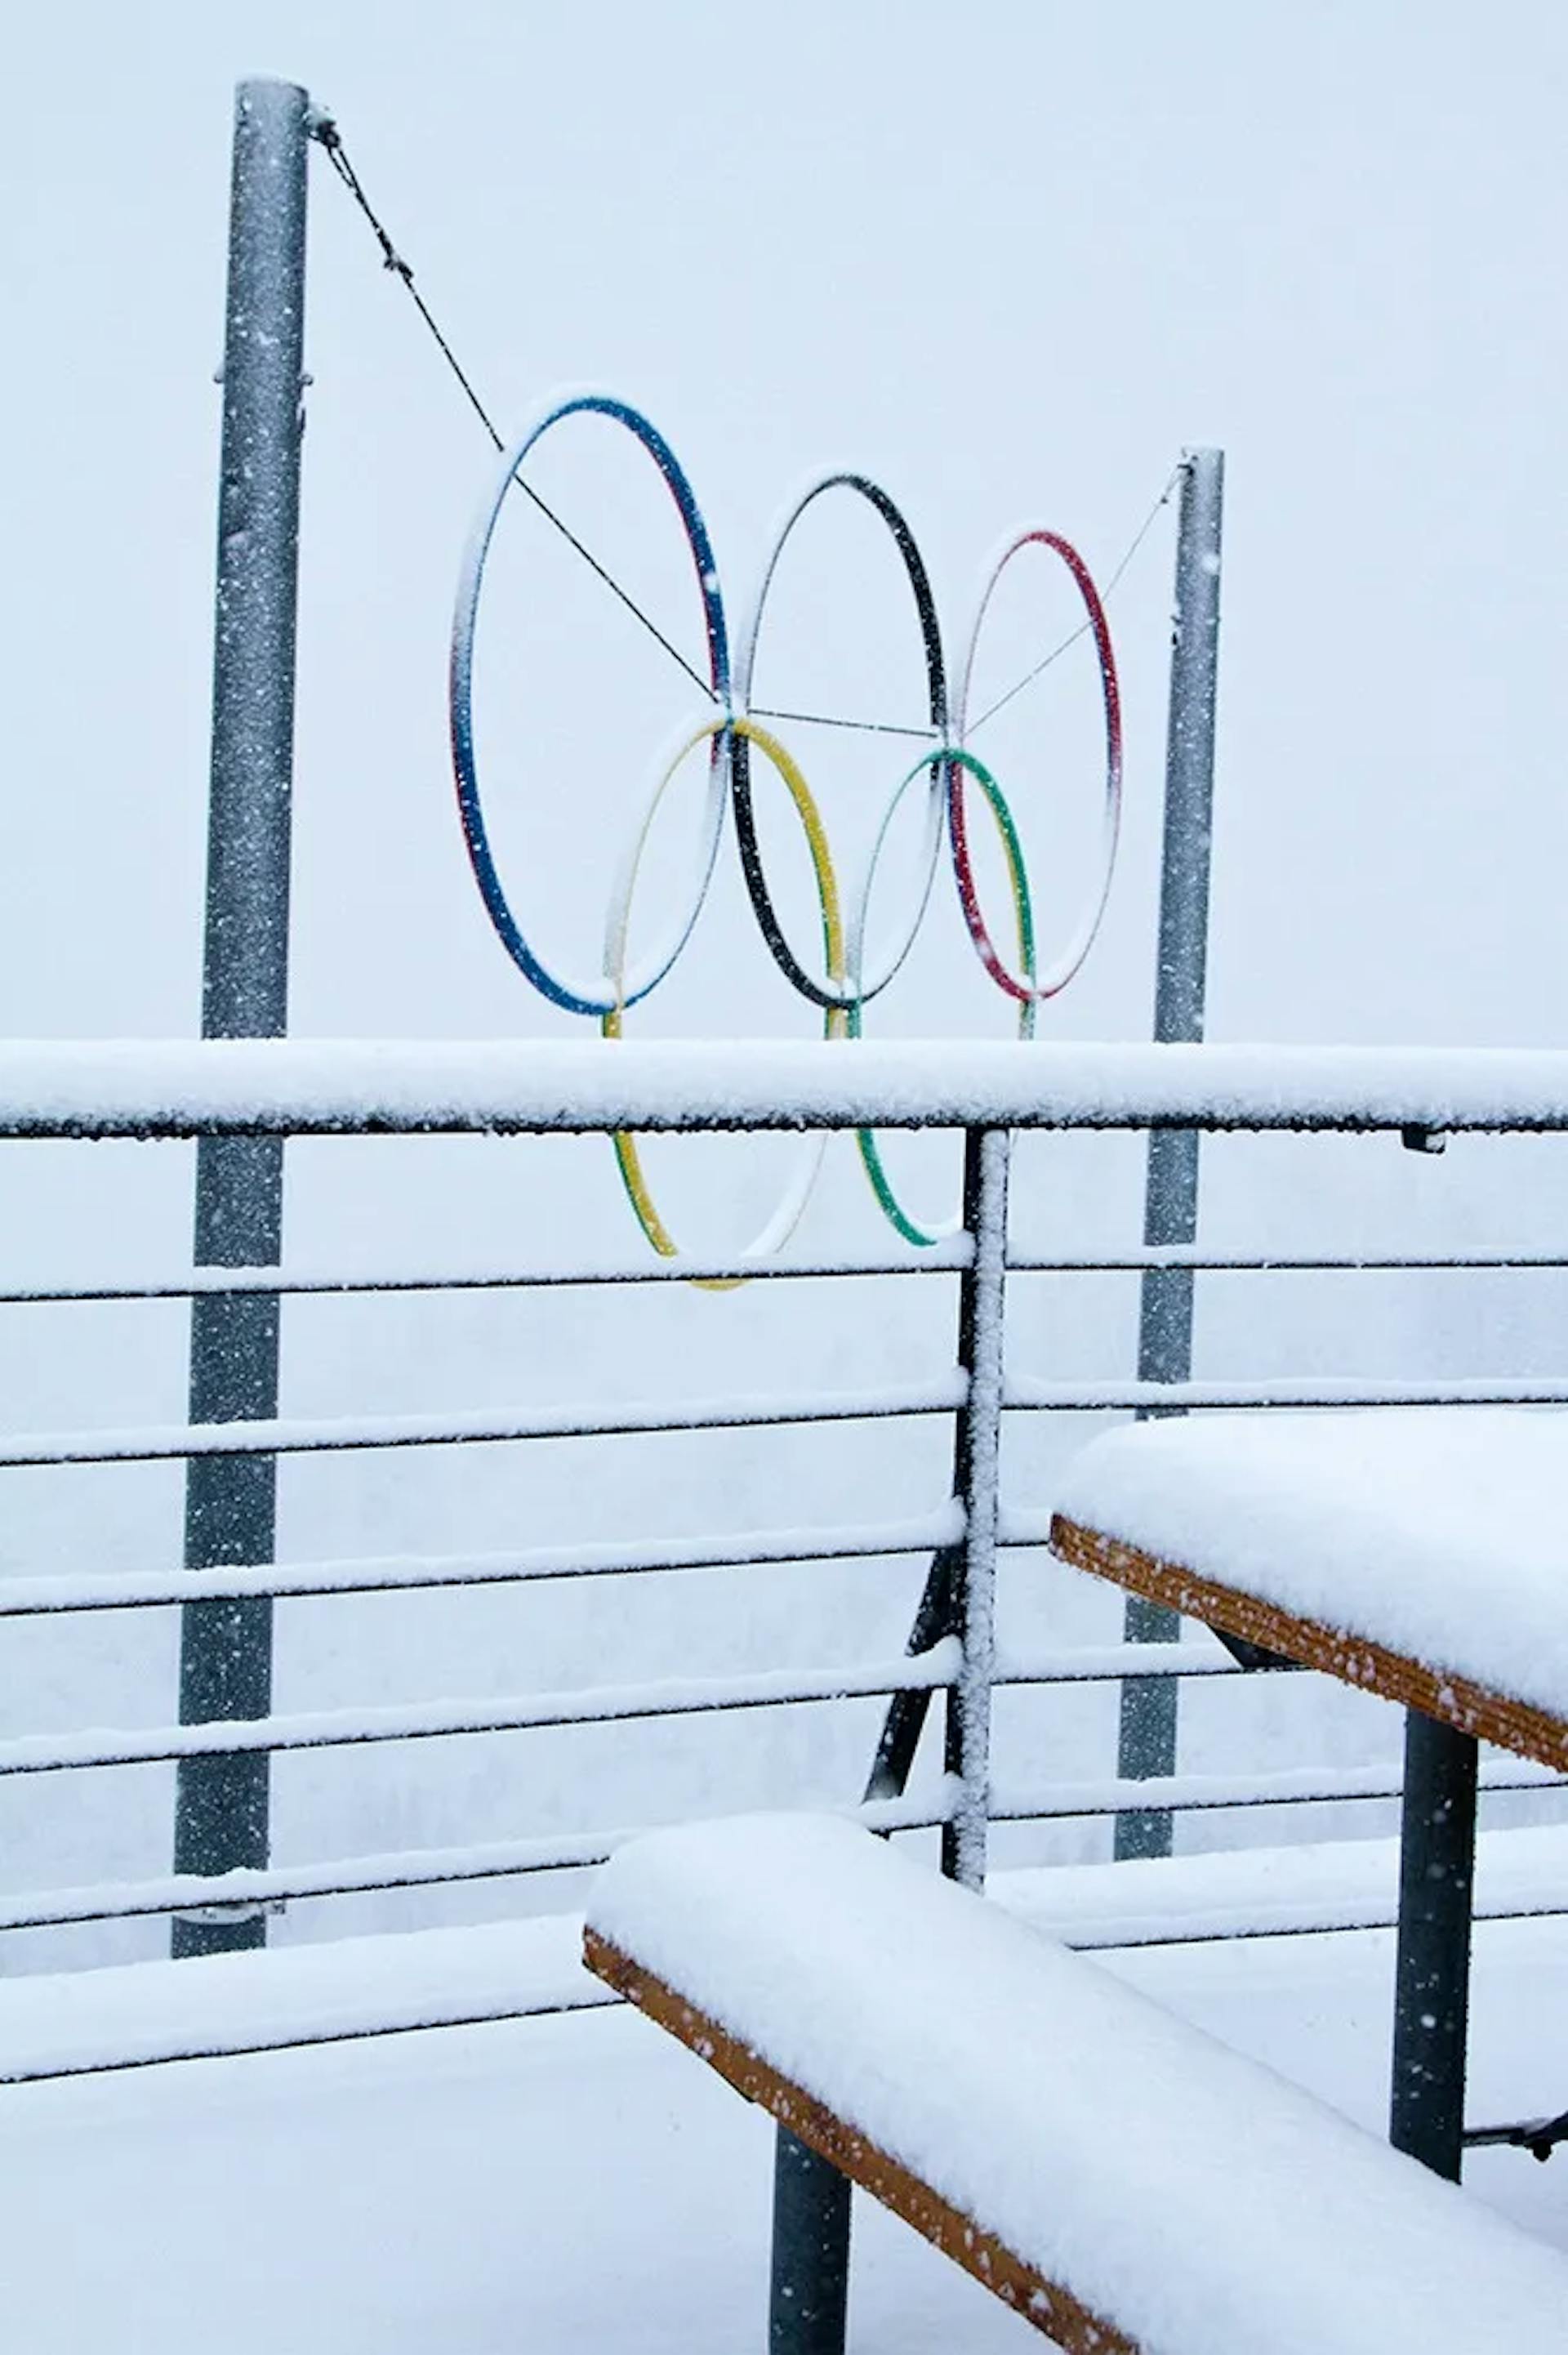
(465, 766)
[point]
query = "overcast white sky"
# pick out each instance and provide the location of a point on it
(1010, 257)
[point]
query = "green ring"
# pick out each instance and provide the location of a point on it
(1024, 914)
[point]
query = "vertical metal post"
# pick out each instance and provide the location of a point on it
(1432, 1966)
(808, 2310)
(809, 2296)
(983, 1354)
(1146, 1745)
(221, 1808)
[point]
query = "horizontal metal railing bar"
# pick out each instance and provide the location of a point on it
(1093, 1664)
(1016, 1525)
(407, 1869)
(352, 1087)
(593, 1705)
(1293, 1787)
(1025, 1394)
(309, 2040)
(29, 1598)
(593, 1996)
(945, 1259)
(192, 1283)
(302, 1436)
(1201, 1262)
(562, 1853)
(43, 1754)
(1326, 1923)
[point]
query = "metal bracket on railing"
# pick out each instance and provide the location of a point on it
(1257, 1658)
(1539, 2137)
(1417, 1138)
(904, 1721)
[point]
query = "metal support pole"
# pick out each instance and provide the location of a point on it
(1147, 1743)
(809, 2294)
(1432, 1966)
(809, 2297)
(981, 1346)
(221, 1808)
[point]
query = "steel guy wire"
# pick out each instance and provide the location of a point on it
(1057, 651)
(324, 130)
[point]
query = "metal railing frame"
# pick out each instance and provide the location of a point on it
(952, 1651)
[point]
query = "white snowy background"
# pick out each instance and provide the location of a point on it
(1010, 267)
(1009, 261)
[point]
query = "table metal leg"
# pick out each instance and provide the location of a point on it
(1432, 1971)
(809, 2296)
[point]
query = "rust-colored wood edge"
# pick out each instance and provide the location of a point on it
(1514, 1725)
(1051, 2309)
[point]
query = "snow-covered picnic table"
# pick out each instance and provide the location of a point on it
(1422, 1555)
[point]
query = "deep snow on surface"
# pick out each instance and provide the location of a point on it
(584, 2184)
(1108, 2149)
(1439, 1535)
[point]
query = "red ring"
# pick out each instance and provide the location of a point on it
(963, 869)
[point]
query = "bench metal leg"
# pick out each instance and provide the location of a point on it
(1432, 1972)
(809, 2302)
(1146, 1743)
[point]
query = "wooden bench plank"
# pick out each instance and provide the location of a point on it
(1043, 2303)
(1456, 1701)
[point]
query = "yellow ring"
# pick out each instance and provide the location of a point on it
(835, 1022)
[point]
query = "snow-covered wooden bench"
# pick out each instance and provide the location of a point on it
(1422, 1555)
(1128, 2185)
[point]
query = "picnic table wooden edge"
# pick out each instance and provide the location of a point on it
(1038, 2300)
(1356, 1660)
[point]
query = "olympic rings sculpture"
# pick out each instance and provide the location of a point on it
(845, 982)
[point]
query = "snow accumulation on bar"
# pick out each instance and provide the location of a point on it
(181, 1088)
(1440, 1534)
(1291, 1786)
(130, 2015)
(329, 1729)
(171, 1282)
(1262, 1892)
(78, 2022)
(1290, 1390)
(426, 1868)
(36, 1595)
(1195, 2198)
(303, 1435)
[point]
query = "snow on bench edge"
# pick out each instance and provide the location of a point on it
(1438, 1532)
(1189, 2195)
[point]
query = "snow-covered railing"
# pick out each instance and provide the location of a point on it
(297, 1435)
(288, 1088)
(255, 1087)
